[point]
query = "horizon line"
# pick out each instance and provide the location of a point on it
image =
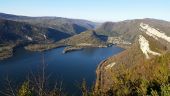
(91, 20)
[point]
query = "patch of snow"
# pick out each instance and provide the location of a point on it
(29, 38)
(110, 65)
(155, 33)
(144, 46)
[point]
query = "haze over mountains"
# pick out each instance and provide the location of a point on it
(127, 30)
(70, 26)
(16, 29)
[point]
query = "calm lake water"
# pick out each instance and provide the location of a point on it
(70, 68)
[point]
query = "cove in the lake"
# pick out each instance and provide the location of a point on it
(70, 68)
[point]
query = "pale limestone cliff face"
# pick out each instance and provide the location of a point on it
(155, 33)
(144, 46)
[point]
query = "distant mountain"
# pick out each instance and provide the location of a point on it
(87, 37)
(128, 30)
(151, 44)
(83, 40)
(13, 31)
(71, 26)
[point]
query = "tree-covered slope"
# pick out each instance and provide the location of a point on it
(71, 26)
(128, 30)
(87, 37)
(12, 31)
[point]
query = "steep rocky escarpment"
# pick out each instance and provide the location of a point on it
(126, 71)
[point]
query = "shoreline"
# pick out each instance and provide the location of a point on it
(76, 48)
(8, 51)
(100, 69)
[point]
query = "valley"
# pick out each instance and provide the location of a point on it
(132, 55)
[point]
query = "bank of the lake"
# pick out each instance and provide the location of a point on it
(71, 68)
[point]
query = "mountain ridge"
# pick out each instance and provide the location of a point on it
(62, 24)
(83, 40)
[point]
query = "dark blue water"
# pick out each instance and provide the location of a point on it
(70, 68)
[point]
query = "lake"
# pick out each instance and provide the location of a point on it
(70, 68)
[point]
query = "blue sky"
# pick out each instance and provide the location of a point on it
(96, 10)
